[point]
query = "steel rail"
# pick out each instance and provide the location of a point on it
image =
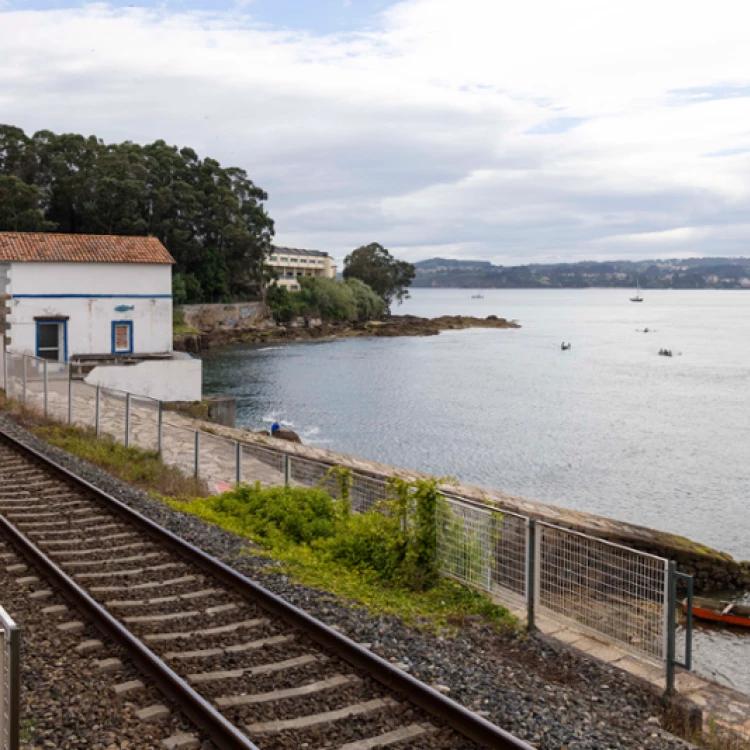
(203, 714)
(440, 706)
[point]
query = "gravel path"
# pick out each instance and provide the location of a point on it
(547, 695)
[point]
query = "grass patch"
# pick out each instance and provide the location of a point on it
(179, 326)
(141, 468)
(372, 559)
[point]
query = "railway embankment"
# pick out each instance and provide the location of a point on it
(540, 691)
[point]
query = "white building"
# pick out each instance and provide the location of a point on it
(291, 264)
(65, 296)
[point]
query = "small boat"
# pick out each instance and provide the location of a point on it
(477, 296)
(727, 613)
(637, 297)
(565, 346)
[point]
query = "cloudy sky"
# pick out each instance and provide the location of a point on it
(509, 131)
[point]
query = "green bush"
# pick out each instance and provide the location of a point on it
(384, 558)
(329, 299)
(285, 305)
(396, 542)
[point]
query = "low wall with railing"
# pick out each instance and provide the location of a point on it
(609, 589)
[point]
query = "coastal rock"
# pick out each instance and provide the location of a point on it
(284, 433)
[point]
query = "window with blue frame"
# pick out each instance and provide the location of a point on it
(52, 339)
(122, 337)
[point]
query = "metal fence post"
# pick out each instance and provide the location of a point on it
(46, 388)
(23, 398)
(197, 471)
(10, 705)
(70, 395)
(127, 420)
(671, 625)
(97, 417)
(160, 428)
(238, 462)
(5, 362)
(531, 574)
(287, 470)
(15, 688)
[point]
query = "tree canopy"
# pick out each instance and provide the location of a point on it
(388, 277)
(210, 218)
(329, 299)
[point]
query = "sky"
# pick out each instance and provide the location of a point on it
(515, 132)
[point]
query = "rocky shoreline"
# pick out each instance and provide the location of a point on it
(308, 329)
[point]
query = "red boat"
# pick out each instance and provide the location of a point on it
(727, 613)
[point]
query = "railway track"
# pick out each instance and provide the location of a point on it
(250, 669)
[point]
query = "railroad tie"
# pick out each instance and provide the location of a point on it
(144, 586)
(230, 701)
(220, 630)
(277, 666)
(168, 617)
(208, 653)
(410, 732)
(101, 550)
(327, 717)
(127, 573)
(113, 561)
(133, 603)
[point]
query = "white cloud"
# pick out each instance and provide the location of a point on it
(511, 131)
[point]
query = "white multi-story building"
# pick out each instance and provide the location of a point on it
(291, 264)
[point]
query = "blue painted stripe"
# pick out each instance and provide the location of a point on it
(91, 296)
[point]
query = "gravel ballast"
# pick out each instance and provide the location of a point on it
(545, 694)
(68, 676)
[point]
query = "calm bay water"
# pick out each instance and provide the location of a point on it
(608, 427)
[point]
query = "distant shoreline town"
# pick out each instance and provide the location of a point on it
(692, 273)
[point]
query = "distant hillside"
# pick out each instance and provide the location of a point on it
(694, 273)
(443, 264)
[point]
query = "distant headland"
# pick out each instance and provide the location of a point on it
(690, 273)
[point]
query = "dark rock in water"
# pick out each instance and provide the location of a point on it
(285, 434)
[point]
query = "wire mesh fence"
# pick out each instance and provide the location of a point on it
(144, 423)
(464, 542)
(112, 414)
(614, 591)
(217, 458)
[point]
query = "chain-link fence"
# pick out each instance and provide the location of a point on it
(614, 591)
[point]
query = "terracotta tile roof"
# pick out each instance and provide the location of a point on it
(40, 247)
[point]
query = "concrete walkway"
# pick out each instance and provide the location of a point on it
(218, 455)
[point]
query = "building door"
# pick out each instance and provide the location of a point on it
(50, 340)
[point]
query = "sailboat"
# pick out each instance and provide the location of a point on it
(637, 297)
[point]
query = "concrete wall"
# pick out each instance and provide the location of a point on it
(87, 294)
(178, 379)
(240, 315)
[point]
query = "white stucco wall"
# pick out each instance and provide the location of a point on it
(87, 294)
(168, 380)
